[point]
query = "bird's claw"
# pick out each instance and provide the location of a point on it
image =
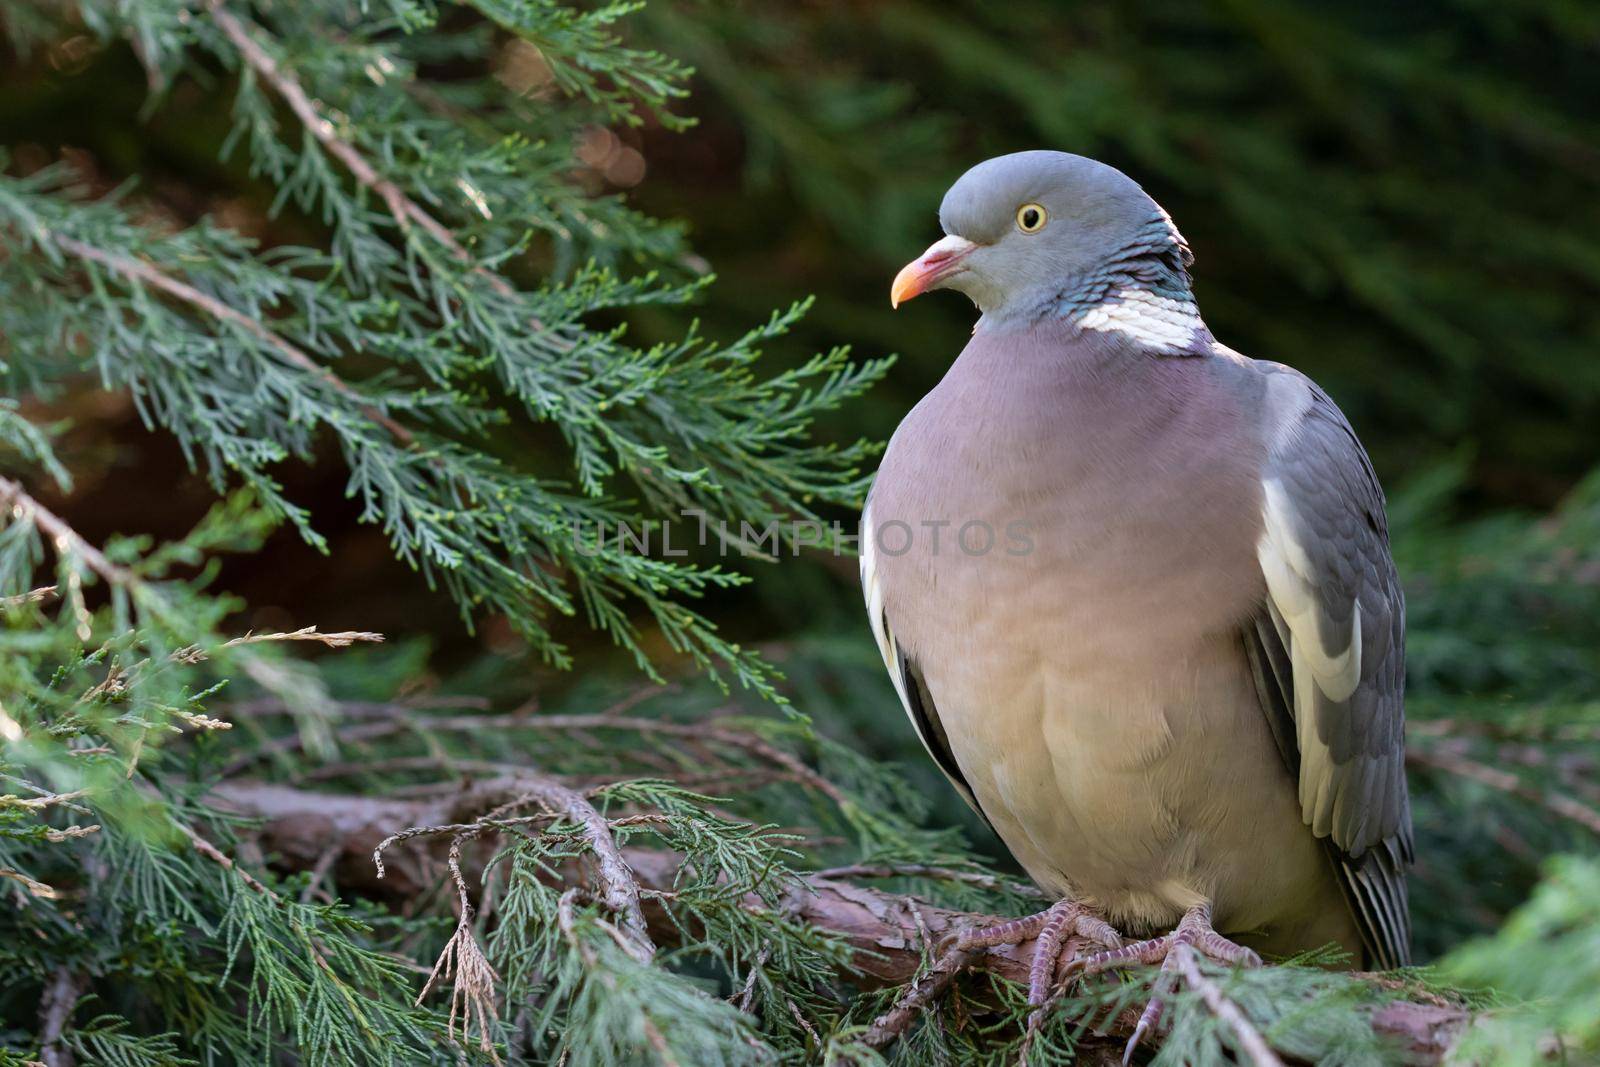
(1056, 928)
(1193, 933)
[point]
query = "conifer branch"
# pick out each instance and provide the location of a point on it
(63, 537)
(1249, 1038)
(139, 271)
(402, 208)
(399, 720)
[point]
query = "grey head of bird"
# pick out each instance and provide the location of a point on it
(1032, 230)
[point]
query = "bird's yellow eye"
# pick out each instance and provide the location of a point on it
(1031, 218)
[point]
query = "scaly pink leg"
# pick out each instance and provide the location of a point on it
(1193, 930)
(1052, 927)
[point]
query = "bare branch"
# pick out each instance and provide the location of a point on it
(619, 888)
(64, 538)
(1506, 782)
(55, 1011)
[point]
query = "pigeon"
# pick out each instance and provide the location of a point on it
(1135, 593)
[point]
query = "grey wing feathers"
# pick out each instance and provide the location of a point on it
(907, 678)
(1328, 652)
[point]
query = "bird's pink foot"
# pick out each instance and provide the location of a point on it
(1192, 934)
(1053, 927)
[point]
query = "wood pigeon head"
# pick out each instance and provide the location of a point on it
(1026, 228)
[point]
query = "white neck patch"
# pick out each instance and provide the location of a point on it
(1155, 321)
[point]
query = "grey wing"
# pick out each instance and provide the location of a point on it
(1328, 652)
(906, 676)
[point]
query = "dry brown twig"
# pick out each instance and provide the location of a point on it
(32, 596)
(11, 800)
(473, 992)
(619, 891)
(32, 885)
(193, 654)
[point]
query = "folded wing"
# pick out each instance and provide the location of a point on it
(1328, 652)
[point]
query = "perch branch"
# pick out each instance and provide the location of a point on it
(889, 933)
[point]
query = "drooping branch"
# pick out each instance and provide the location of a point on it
(890, 933)
(145, 274)
(63, 537)
(405, 210)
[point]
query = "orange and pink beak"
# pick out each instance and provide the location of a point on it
(929, 270)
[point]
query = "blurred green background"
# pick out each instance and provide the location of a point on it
(1402, 200)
